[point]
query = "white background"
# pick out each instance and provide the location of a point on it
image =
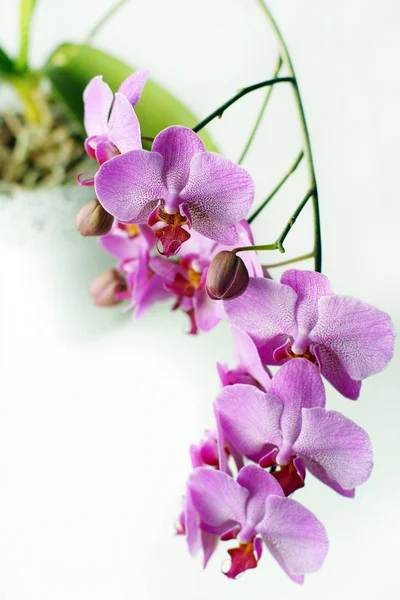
(97, 412)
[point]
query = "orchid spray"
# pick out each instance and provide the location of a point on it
(175, 216)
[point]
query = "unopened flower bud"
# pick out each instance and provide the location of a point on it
(107, 287)
(227, 276)
(93, 219)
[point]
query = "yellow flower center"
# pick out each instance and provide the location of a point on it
(133, 230)
(194, 278)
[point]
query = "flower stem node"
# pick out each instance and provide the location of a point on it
(93, 219)
(227, 276)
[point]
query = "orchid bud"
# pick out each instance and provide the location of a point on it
(227, 276)
(93, 219)
(106, 288)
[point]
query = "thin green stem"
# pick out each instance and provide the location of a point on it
(278, 244)
(292, 220)
(104, 19)
(26, 8)
(261, 113)
(278, 186)
(307, 144)
(251, 88)
(290, 261)
(258, 247)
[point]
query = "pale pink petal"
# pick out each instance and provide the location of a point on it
(167, 269)
(274, 350)
(218, 498)
(221, 442)
(294, 536)
(249, 419)
(202, 223)
(97, 99)
(124, 128)
(208, 313)
(150, 294)
(341, 447)
(309, 287)
(128, 186)
(122, 247)
(148, 288)
(360, 335)
(247, 357)
(320, 473)
(260, 484)
(219, 188)
(333, 370)
(105, 150)
(298, 384)
(209, 543)
(192, 526)
(177, 146)
(133, 86)
(195, 537)
(264, 311)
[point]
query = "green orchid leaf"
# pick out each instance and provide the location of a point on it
(72, 66)
(6, 65)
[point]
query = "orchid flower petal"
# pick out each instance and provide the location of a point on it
(97, 99)
(319, 472)
(219, 499)
(105, 150)
(202, 223)
(298, 384)
(260, 484)
(309, 287)
(120, 247)
(218, 188)
(249, 419)
(177, 146)
(333, 370)
(192, 526)
(264, 311)
(338, 445)
(208, 313)
(129, 185)
(294, 536)
(360, 335)
(167, 269)
(124, 128)
(247, 357)
(133, 86)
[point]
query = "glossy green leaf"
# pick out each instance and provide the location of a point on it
(6, 64)
(71, 67)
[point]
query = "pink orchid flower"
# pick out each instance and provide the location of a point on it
(110, 121)
(253, 510)
(249, 369)
(178, 184)
(289, 427)
(204, 454)
(131, 245)
(186, 279)
(301, 317)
